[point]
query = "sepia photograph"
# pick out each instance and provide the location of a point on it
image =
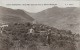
(39, 25)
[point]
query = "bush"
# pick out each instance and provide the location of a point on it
(20, 32)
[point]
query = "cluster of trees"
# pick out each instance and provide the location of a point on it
(17, 35)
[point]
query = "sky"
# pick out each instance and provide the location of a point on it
(35, 6)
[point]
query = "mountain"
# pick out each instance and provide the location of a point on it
(8, 15)
(61, 18)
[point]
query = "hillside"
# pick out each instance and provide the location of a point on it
(61, 18)
(17, 36)
(8, 15)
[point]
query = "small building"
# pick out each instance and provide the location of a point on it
(2, 27)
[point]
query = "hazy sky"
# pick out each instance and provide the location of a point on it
(38, 5)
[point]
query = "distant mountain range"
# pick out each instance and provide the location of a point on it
(61, 18)
(8, 15)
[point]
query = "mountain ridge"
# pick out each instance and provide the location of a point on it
(61, 18)
(8, 15)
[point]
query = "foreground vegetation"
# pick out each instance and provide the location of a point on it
(17, 36)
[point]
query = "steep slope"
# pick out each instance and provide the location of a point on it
(8, 15)
(61, 18)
